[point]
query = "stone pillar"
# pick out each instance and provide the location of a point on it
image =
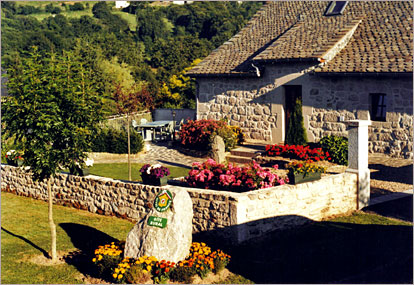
(358, 157)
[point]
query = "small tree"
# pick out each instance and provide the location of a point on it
(128, 96)
(296, 133)
(52, 114)
(128, 101)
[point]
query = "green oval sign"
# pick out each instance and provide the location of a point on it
(163, 201)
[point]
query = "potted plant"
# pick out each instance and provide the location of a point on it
(81, 171)
(154, 174)
(14, 158)
(304, 171)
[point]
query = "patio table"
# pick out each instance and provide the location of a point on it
(153, 127)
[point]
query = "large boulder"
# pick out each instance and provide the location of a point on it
(172, 242)
(218, 149)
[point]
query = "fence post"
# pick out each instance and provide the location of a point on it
(358, 157)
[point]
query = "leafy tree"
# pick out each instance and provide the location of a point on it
(128, 96)
(78, 6)
(9, 8)
(179, 92)
(85, 26)
(101, 10)
(50, 8)
(52, 114)
(127, 102)
(27, 10)
(151, 25)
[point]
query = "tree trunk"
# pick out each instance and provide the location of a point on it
(51, 223)
(129, 149)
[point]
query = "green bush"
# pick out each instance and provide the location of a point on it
(229, 137)
(183, 274)
(296, 133)
(116, 141)
(337, 147)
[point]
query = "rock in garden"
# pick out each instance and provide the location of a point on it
(166, 232)
(218, 150)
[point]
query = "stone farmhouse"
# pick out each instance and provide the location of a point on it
(343, 60)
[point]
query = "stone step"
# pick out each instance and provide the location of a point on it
(238, 159)
(243, 152)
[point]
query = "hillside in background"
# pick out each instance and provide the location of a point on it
(154, 43)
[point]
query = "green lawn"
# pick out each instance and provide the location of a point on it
(25, 234)
(120, 170)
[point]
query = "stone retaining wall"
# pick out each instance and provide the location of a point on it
(234, 216)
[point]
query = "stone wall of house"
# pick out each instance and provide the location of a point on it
(234, 216)
(349, 97)
(256, 105)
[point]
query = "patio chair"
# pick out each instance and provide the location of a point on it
(142, 130)
(178, 127)
(167, 131)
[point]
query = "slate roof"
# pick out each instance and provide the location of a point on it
(299, 31)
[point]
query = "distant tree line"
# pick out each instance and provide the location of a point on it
(167, 40)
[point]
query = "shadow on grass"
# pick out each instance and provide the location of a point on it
(44, 252)
(174, 164)
(86, 239)
(325, 252)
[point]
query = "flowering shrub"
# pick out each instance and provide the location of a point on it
(107, 257)
(155, 171)
(238, 133)
(198, 134)
(161, 271)
(213, 175)
(201, 261)
(14, 157)
(305, 167)
(297, 152)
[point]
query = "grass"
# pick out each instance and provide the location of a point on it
(130, 18)
(77, 14)
(120, 171)
(25, 234)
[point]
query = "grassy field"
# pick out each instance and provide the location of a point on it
(120, 171)
(77, 14)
